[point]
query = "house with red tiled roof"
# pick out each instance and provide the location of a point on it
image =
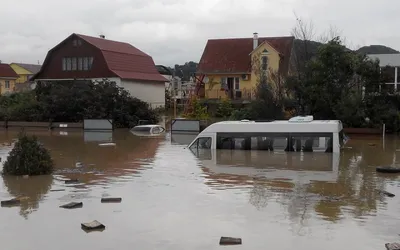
(7, 79)
(230, 68)
(82, 57)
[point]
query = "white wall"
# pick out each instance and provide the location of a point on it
(150, 92)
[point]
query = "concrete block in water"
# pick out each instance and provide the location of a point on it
(72, 205)
(392, 246)
(111, 200)
(9, 203)
(72, 181)
(230, 241)
(94, 225)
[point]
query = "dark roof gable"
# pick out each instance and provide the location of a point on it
(123, 59)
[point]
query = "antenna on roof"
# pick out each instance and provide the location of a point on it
(102, 36)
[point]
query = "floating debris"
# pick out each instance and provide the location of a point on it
(25, 176)
(111, 200)
(10, 203)
(392, 246)
(94, 225)
(72, 205)
(230, 241)
(56, 190)
(372, 144)
(107, 144)
(72, 181)
(383, 192)
(79, 165)
(388, 169)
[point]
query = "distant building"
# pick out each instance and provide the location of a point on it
(25, 71)
(226, 65)
(8, 78)
(84, 57)
(390, 63)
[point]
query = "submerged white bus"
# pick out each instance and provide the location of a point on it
(299, 134)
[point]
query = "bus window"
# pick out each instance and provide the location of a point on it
(202, 143)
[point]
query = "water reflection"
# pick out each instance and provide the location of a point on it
(330, 185)
(30, 190)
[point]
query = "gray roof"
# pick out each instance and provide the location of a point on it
(387, 59)
(34, 68)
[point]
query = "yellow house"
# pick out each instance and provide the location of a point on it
(8, 78)
(25, 71)
(231, 68)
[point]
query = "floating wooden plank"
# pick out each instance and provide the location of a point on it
(10, 203)
(392, 246)
(111, 200)
(72, 181)
(94, 225)
(72, 205)
(57, 190)
(383, 192)
(230, 241)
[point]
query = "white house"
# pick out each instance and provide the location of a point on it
(82, 57)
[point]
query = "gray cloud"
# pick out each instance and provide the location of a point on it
(176, 31)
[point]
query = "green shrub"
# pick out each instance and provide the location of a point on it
(225, 109)
(28, 157)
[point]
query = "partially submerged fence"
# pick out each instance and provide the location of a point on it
(89, 124)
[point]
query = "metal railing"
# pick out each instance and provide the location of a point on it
(243, 94)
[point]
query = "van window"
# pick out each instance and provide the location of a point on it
(202, 143)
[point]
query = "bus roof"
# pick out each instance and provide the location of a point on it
(279, 126)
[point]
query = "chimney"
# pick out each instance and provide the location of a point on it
(102, 36)
(255, 40)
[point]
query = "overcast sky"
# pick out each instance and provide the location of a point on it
(176, 31)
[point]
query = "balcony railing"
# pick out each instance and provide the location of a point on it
(243, 94)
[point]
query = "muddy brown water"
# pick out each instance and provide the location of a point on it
(175, 199)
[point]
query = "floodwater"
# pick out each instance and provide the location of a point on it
(173, 199)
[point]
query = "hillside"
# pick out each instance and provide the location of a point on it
(377, 49)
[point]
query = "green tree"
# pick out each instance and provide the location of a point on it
(224, 109)
(28, 157)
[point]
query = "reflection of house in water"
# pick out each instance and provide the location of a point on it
(299, 167)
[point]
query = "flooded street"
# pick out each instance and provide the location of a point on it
(173, 199)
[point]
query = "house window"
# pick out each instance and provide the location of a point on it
(80, 63)
(7, 84)
(237, 83)
(64, 64)
(224, 83)
(69, 63)
(264, 62)
(90, 62)
(76, 42)
(85, 63)
(77, 63)
(74, 63)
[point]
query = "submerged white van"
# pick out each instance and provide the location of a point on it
(299, 134)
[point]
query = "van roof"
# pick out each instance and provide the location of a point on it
(279, 126)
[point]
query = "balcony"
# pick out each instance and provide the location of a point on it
(242, 95)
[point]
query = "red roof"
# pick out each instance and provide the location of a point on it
(126, 61)
(232, 55)
(6, 71)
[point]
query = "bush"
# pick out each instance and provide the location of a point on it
(224, 109)
(28, 157)
(74, 101)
